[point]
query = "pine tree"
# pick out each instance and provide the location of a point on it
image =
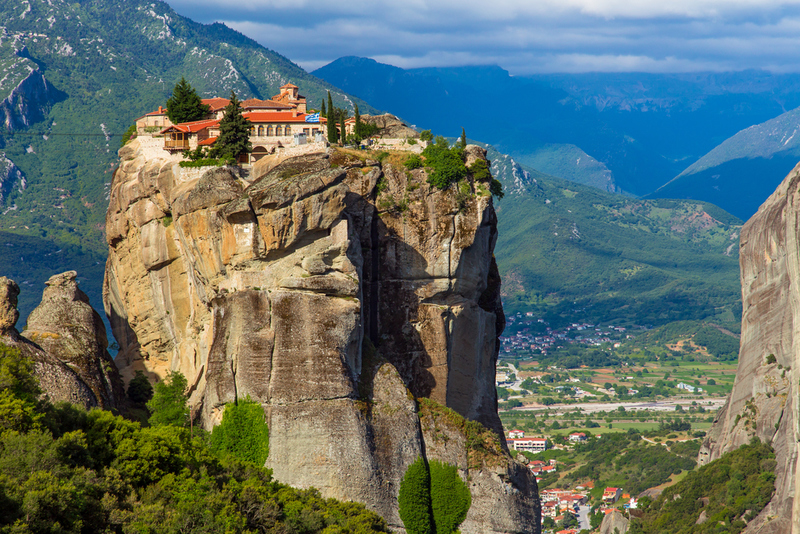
(322, 111)
(234, 132)
(185, 105)
(463, 138)
(332, 134)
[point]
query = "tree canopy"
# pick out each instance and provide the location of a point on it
(185, 104)
(234, 132)
(169, 403)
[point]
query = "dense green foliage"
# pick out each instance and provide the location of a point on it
(185, 105)
(450, 497)
(140, 390)
(243, 432)
(413, 161)
(446, 163)
(19, 392)
(642, 465)
(78, 471)
(169, 404)
(234, 132)
(433, 498)
(414, 500)
(730, 489)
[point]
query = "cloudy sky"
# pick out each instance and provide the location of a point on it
(522, 36)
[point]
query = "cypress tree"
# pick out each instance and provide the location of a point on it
(463, 138)
(322, 111)
(331, 120)
(450, 497)
(414, 499)
(357, 128)
(185, 105)
(234, 132)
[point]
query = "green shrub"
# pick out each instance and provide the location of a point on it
(129, 134)
(413, 161)
(450, 497)
(243, 432)
(771, 359)
(415, 499)
(426, 135)
(480, 171)
(433, 498)
(447, 164)
(140, 390)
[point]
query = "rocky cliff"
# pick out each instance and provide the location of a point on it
(764, 401)
(66, 340)
(356, 303)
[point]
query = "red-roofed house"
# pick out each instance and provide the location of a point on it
(187, 135)
(612, 495)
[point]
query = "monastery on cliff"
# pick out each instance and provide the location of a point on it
(279, 122)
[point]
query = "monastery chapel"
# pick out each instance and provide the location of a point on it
(279, 122)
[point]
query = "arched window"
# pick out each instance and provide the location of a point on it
(288, 130)
(261, 131)
(270, 133)
(278, 130)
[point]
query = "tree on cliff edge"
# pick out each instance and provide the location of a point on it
(234, 132)
(331, 115)
(185, 105)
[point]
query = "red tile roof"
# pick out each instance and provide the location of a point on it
(216, 103)
(192, 127)
(290, 85)
(207, 142)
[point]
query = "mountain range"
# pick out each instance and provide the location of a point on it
(629, 132)
(73, 83)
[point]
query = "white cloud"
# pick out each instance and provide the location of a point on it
(523, 37)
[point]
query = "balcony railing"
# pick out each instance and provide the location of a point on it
(176, 144)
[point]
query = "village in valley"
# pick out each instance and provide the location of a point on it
(605, 414)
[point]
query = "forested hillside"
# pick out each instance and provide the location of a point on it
(569, 252)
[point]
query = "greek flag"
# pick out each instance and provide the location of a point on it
(314, 117)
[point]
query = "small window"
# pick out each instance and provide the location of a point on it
(288, 130)
(306, 131)
(261, 131)
(270, 132)
(278, 130)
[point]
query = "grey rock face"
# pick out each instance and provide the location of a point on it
(57, 379)
(66, 326)
(282, 288)
(614, 523)
(764, 400)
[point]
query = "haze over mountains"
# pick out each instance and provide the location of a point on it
(629, 132)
